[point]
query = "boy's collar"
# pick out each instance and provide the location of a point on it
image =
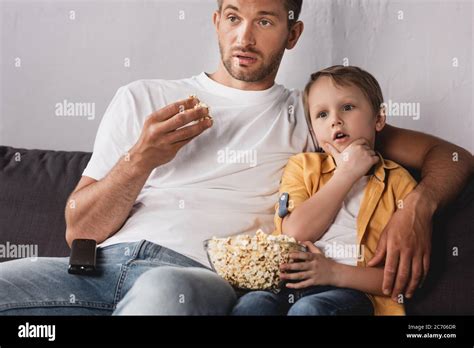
(329, 165)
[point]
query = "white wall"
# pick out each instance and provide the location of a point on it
(82, 60)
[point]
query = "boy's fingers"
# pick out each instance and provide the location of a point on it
(331, 150)
(295, 266)
(300, 255)
(295, 276)
(299, 285)
(375, 159)
(311, 247)
(361, 141)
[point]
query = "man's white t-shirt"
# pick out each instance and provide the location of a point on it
(225, 181)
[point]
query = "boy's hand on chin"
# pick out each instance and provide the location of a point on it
(356, 159)
(311, 268)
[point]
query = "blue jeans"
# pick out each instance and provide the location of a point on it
(315, 300)
(139, 278)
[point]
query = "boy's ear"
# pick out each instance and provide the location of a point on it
(381, 119)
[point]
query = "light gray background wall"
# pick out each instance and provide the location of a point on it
(420, 51)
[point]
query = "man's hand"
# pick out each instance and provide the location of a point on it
(163, 136)
(356, 159)
(405, 244)
(104, 206)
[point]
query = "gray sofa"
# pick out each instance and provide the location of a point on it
(35, 185)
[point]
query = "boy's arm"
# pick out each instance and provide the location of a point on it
(365, 279)
(312, 218)
(315, 268)
(406, 241)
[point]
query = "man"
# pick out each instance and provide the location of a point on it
(158, 185)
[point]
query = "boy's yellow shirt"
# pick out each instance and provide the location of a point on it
(306, 173)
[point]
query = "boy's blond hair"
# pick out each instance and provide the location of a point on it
(349, 75)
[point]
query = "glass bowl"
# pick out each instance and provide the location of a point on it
(255, 266)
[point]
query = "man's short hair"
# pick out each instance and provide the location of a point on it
(292, 6)
(346, 76)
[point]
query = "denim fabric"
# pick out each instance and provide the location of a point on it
(133, 278)
(316, 300)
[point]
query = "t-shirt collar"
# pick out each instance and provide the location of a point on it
(244, 97)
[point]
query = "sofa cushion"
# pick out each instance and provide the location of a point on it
(449, 287)
(34, 187)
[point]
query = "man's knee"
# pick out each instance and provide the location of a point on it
(28, 270)
(15, 268)
(28, 280)
(178, 291)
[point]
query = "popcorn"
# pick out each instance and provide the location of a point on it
(251, 262)
(198, 106)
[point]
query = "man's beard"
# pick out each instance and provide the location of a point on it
(253, 76)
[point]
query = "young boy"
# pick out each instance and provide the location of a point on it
(339, 206)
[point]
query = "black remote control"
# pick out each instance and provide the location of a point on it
(83, 257)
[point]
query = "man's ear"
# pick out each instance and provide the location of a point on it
(216, 18)
(381, 119)
(295, 34)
